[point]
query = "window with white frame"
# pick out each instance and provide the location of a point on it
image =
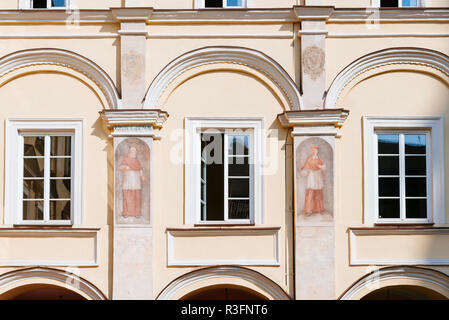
(403, 170)
(223, 171)
(43, 172)
(44, 4)
(221, 3)
(399, 3)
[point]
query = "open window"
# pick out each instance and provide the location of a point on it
(44, 4)
(403, 170)
(399, 3)
(221, 4)
(223, 171)
(43, 172)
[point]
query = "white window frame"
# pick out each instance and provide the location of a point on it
(194, 127)
(421, 3)
(200, 4)
(28, 4)
(15, 129)
(433, 126)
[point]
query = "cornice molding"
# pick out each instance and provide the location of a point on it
(390, 56)
(134, 117)
(389, 15)
(322, 117)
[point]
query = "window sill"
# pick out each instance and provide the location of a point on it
(398, 225)
(42, 226)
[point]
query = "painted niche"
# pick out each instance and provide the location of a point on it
(314, 181)
(132, 182)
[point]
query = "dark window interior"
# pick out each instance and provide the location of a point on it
(213, 3)
(389, 3)
(39, 4)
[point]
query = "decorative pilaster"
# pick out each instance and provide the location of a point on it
(313, 54)
(133, 134)
(314, 134)
(133, 34)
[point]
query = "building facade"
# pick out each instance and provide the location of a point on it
(234, 149)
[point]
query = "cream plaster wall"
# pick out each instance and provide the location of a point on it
(49, 95)
(404, 93)
(217, 94)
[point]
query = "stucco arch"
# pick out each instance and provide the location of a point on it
(392, 59)
(223, 275)
(398, 276)
(56, 60)
(38, 275)
(209, 58)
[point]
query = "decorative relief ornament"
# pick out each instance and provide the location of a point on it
(313, 61)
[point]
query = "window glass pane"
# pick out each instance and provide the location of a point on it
(33, 167)
(388, 187)
(60, 210)
(234, 3)
(238, 166)
(33, 146)
(238, 188)
(416, 208)
(61, 146)
(415, 187)
(415, 143)
(389, 3)
(33, 210)
(388, 144)
(60, 188)
(238, 209)
(33, 189)
(415, 165)
(58, 3)
(238, 145)
(409, 3)
(60, 167)
(389, 208)
(388, 165)
(39, 4)
(213, 166)
(213, 3)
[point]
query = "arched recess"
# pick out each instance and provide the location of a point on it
(398, 276)
(48, 276)
(223, 275)
(255, 62)
(377, 62)
(19, 62)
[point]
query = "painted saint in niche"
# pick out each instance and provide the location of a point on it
(133, 176)
(313, 170)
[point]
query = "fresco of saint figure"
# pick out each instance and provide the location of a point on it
(133, 175)
(313, 170)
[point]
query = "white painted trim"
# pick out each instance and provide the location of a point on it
(192, 154)
(218, 36)
(435, 126)
(376, 4)
(31, 57)
(266, 285)
(172, 261)
(66, 280)
(375, 279)
(50, 233)
(355, 261)
(388, 35)
(200, 4)
(13, 186)
(61, 36)
(391, 56)
(235, 55)
(26, 4)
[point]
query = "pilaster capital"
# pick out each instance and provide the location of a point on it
(132, 14)
(313, 12)
(146, 119)
(314, 122)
